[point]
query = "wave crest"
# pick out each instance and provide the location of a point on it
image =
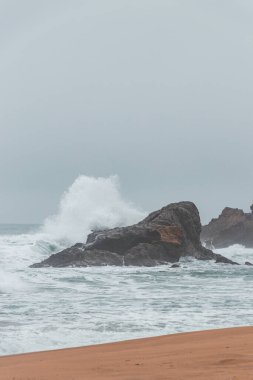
(90, 203)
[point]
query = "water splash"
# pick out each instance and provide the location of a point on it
(90, 203)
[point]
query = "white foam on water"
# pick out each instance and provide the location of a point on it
(51, 308)
(237, 253)
(89, 203)
(9, 282)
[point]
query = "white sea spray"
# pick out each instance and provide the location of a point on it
(90, 203)
(51, 308)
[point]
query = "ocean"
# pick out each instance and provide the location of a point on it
(50, 308)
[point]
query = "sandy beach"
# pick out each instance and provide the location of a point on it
(214, 354)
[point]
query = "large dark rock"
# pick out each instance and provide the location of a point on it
(163, 237)
(233, 226)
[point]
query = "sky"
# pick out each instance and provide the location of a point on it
(158, 92)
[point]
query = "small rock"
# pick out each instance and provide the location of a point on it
(248, 263)
(175, 266)
(222, 259)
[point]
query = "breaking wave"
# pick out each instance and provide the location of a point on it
(51, 308)
(90, 203)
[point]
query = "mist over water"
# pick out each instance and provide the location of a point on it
(51, 308)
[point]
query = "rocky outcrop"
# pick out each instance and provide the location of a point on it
(233, 226)
(163, 237)
(224, 260)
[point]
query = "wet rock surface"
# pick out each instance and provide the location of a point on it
(224, 260)
(233, 226)
(162, 237)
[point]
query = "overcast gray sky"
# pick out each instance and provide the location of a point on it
(157, 91)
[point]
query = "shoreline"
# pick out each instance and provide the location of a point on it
(209, 355)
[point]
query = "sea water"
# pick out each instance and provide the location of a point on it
(49, 308)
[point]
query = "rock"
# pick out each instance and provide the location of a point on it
(248, 263)
(222, 259)
(163, 237)
(233, 226)
(175, 266)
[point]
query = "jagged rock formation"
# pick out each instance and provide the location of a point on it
(163, 237)
(233, 226)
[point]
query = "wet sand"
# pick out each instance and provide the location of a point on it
(210, 355)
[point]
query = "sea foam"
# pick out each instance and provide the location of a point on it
(89, 203)
(51, 308)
